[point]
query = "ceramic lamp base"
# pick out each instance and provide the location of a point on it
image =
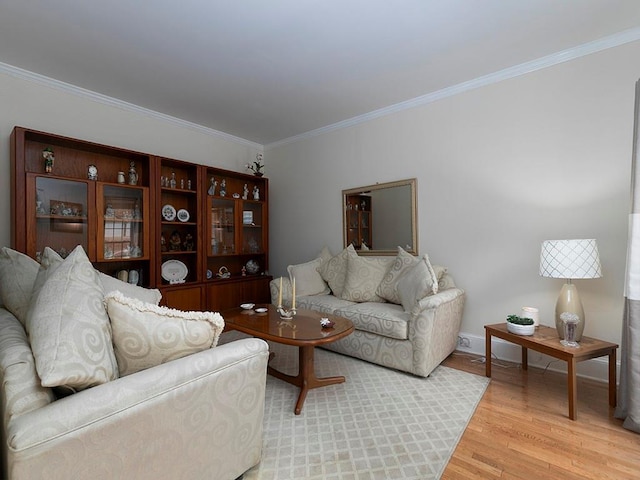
(569, 301)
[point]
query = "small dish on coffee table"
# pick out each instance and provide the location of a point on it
(247, 306)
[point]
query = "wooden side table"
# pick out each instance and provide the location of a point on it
(545, 340)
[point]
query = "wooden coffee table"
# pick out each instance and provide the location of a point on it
(304, 332)
(545, 340)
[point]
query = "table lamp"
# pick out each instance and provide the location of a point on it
(570, 259)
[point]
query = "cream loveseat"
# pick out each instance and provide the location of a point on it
(406, 313)
(198, 416)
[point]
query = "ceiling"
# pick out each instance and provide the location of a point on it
(266, 71)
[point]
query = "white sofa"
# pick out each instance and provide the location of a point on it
(414, 335)
(198, 416)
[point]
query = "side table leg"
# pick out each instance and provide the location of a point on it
(612, 378)
(487, 353)
(572, 387)
(525, 358)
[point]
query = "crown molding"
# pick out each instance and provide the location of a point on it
(22, 74)
(621, 38)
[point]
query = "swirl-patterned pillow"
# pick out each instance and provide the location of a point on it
(146, 335)
(68, 325)
(388, 288)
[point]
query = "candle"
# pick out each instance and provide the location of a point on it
(293, 303)
(280, 294)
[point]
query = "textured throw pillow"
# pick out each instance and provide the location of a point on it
(388, 288)
(364, 275)
(334, 270)
(18, 273)
(68, 325)
(146, 335)
(308, 279)
(148, 295)
(418, 282)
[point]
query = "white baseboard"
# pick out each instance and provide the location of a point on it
(596, 368)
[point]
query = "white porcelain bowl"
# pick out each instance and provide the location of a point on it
(521, 329)
(247, 306)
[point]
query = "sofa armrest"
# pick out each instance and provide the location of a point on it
(201, 413)
(274, 288)
(434, 329)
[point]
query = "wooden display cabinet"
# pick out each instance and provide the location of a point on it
(237, 239)
(150, 217)
(61, 203)
(179, 238)
(358, 221)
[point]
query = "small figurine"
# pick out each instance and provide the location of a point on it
(187, 245)
(133, 175)
(175, 242)
(163, 243)
(256, 193)
(212, 187)
(109, 212)
(223, 188)
(245, 192)
(49, 159)
(244, 272)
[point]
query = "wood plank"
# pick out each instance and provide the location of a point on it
(520, 429)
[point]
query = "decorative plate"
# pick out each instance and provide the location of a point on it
(209, 274)
(261, 310)
(169, 213)
(183, 215)
(174, 271)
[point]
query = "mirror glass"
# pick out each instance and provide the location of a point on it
(379, 218)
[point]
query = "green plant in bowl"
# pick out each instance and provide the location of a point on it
(515, 319)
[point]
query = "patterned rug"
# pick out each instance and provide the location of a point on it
(379, 424)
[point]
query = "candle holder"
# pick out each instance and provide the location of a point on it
(286, 313)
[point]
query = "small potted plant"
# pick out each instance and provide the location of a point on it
(520, 325)
(257, 166)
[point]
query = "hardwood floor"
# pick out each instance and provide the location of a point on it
(520, 429)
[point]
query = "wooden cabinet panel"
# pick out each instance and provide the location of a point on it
(187, 298)
(222, 295)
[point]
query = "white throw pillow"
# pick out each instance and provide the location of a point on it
(146, 335)
(68, 325)
(111, 284)
(388, 288)
(334, 270)
(18, 273)
(308, 279)
(418, 282)
(364, 275)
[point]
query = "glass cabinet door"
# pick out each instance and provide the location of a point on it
(222, 224)
(60, 213)
(252, 231)
(122, 213)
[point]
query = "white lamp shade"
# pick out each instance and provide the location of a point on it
(570, 259)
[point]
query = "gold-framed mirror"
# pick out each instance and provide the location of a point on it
(379, 218)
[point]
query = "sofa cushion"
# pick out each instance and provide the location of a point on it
(322, 303)
(334, 270)
(146, 335)
(148, 295)
(308, 279)
(418, 282)
(18, 273)
(68, 324)
(386, 319)
(388, 288)
(364, 275)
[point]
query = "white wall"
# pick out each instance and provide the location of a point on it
(31, 104)
(500, 169)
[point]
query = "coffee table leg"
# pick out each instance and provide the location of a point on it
(306, 378)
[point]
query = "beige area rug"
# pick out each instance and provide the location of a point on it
(379, 424)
